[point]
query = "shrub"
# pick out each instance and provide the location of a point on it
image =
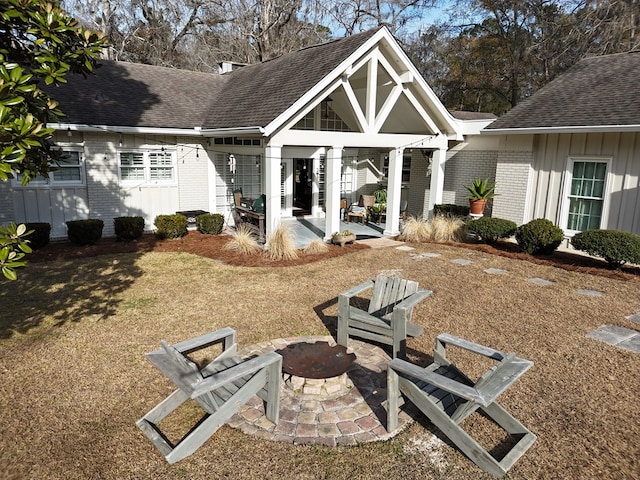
(40, 235)
(447, 229)
(617, 248)
(243, 241)
(491, 229)
(315, 247)
(415, 230)
(85, 232)
(210, 223)
(539, 236)
(170, 226)
(280, 244)
(128, 228)
(450, 210)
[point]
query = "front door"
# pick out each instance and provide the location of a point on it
(302, 186)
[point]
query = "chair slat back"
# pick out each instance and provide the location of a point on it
(179, 369)
(387, 292)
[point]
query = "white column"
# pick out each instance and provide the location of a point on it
(332, 174)
(272, 162)
(392, 225)
(437, 179)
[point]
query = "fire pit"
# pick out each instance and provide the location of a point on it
(317, 369)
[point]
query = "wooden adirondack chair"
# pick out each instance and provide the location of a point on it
(447, 397)
(388, 318)
(220, 388)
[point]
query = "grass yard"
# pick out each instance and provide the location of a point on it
(73, 377)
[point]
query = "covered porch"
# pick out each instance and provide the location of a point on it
(308, 229)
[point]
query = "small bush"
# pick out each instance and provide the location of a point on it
(539, 236)
(85, 232)
(491, 229)
(210, 223)
(415, 230)
(281, 245)
(447, 229)
(617, 248)
(450, 210)
(243, 241)
(40, 235)
(170, 226)
(128, 228)
(315, 247)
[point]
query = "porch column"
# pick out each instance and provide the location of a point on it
(272, 165)
(332, 174)
(436, 188)
(392, 225)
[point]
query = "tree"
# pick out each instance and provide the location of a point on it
(39, 44)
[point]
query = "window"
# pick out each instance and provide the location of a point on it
(586, 194)
(147, 167)
(70, 171)
(406, 167)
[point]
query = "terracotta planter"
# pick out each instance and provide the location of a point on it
(342, 239)
(477, 206)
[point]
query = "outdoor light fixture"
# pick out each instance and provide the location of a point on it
(69, 134)
(325, 106)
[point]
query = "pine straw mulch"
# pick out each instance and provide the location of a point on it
(74, 331)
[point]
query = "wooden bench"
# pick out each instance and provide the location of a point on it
(252, 220)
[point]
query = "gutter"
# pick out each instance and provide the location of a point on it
(233, 131)
(567, 129)
(122, 129)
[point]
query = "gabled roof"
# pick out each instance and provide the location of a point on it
(255, 95)
(598, 93)
(136, 95)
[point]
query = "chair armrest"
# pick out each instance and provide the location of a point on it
(445, 339)
(437, 380)
(235, 373)
(227, 334)
(413, 299)
(352, 292)
(491, 385)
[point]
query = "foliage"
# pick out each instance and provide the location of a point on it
(450, 210)
(315, 247)
(447, 229)
(281, 245)
(170, 226)
(616, 247)
(210, 223)
(40, 45)
(491, 229)
(39, 237)
(539, 236)
(380, 195)
(415, 230)
(343, 233)
(128, 228)
(243, 241)
(481, 189)
(85, 232)
(13, 247)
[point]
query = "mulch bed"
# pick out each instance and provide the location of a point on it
(212, 246)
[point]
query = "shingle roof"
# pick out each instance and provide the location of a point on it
(465, 115)
(596, 91)
(136, 95)
(255, 95)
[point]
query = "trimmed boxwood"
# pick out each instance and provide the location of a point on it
(616, 247)
(40, 235)
(210, 223)
(171, 226)
(491, 229)
(539, 236)
(128, 228)
(85, 232)
(451, 210)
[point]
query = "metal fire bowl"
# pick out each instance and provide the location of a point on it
(315, 360)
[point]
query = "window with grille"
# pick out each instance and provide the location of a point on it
(586, 197)
(150, 167)
(70, 171)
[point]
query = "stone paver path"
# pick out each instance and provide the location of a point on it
(540, 281)
(496, 271)
(634, 318)
(357, 416)
(461, 261)
(618, 336)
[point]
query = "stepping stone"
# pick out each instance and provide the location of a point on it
(612, 334)
(425, 255)
(495, 271)
(461, 261)
(405, 248)
(590, 293)
(632, 344)
(541, 281)
(634, 318)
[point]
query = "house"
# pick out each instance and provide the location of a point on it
(307, 129)
(571, 152)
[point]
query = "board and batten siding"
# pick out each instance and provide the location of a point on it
(549, 172)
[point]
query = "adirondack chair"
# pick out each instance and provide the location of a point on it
(388, 318)
(220, 388)
(447, 397)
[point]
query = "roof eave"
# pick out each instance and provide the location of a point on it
(77, 127)
(232, 131)
(565, 129)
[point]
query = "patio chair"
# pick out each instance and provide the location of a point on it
(361, 209)
(220, 388)
(388, 317)
(447, 397)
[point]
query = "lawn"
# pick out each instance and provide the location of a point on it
(74, 379)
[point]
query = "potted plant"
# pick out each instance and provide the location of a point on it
(480, 191)
(340, 238)
(376, 210)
